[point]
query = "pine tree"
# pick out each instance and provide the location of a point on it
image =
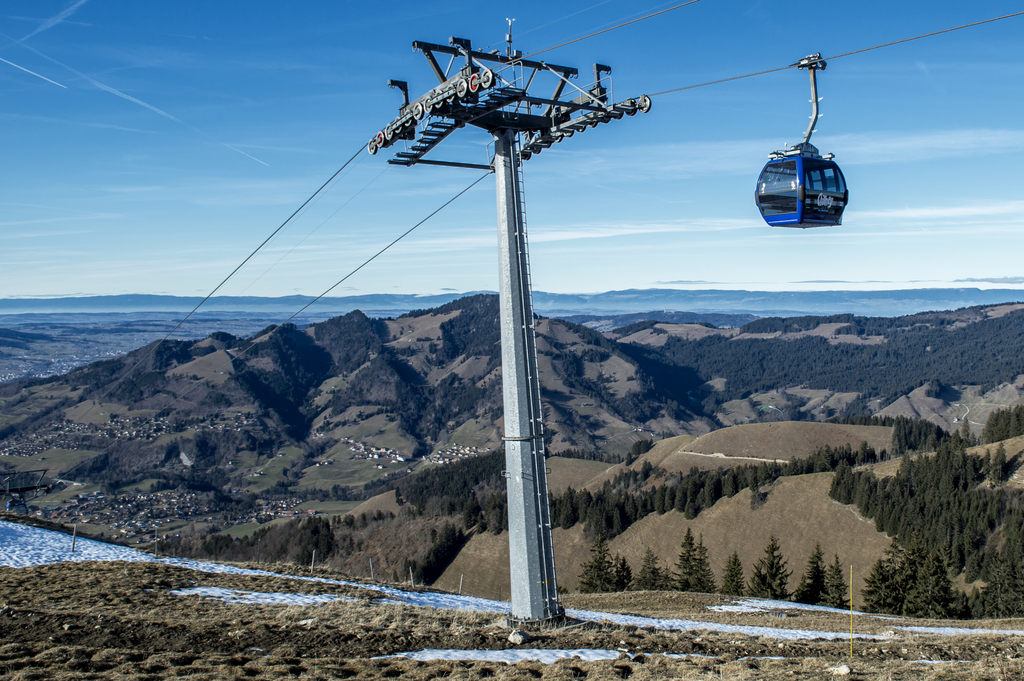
(685, 563)
(834, 592)
(598, 572)
(702, 579)
(812, 582)
(732, 577)
(999, 464)
(1002, 596)
(652, 577)
(770, 578)
(909, 572)
(932, 593)
(622, 577)
(882, 589)
(965, 434)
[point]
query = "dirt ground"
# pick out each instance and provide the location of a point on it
(120, 621)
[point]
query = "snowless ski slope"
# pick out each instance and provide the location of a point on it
(22, 546)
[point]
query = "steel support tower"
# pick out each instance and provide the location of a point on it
(491, 91)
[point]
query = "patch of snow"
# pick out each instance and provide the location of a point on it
(737, 608)
(257, 597)
(509, 656)
(766, 605)
(958, 631)
(697, 625)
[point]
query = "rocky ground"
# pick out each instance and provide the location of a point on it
(108, 620)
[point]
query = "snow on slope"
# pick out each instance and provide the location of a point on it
(23, 546)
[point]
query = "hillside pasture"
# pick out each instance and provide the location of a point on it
(576, 473)
(797, 510)
(55, 461)
(787, 440)
(215, 367)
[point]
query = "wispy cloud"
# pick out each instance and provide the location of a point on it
(38, 235)
(991, 280)
(66, 121)
(686, 282)
(56, 19)
(841, 281)
(685, 160)
(610, 230)
(889, 147)
(34, 73)
(118, 93)
(1011, 209)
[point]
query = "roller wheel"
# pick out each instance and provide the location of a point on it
(418, 111)
(461, 87)
(631, 110)
(372, 147)
(644, 104)
(380, 139)
(486, 78)
(474, 82)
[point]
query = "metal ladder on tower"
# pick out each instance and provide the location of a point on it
(537, 414)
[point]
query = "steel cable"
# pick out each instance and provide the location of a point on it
(844, 54)
(233, 272)
(337, 284)
(612, 28)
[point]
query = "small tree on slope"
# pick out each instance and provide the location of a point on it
(770, 578)
(598, 574)
(732, 578)
(652, 577)
(834, 593)
(812, 583)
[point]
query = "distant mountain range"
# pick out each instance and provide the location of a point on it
(759, 303)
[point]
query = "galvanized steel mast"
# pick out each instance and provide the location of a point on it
(499, 102)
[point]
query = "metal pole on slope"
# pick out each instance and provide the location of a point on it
(531, 554)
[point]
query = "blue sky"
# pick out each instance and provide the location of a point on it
(148, 147)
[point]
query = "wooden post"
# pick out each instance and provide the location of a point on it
(312, 562)
(411, 579)
(74, 536)
(372, 578)
(461, 577)
(851, 611)
(258, 543)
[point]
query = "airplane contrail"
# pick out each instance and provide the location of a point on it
(114, 91)
(33, 73)
(54, 20)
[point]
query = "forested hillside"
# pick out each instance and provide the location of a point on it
(906, 353)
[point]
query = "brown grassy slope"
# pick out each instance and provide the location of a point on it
(576, 473)
(671, 455)
(1014, 447)
(788, 439)
(484, 563)
(384, 502)
(751, 443)
(798, 511)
